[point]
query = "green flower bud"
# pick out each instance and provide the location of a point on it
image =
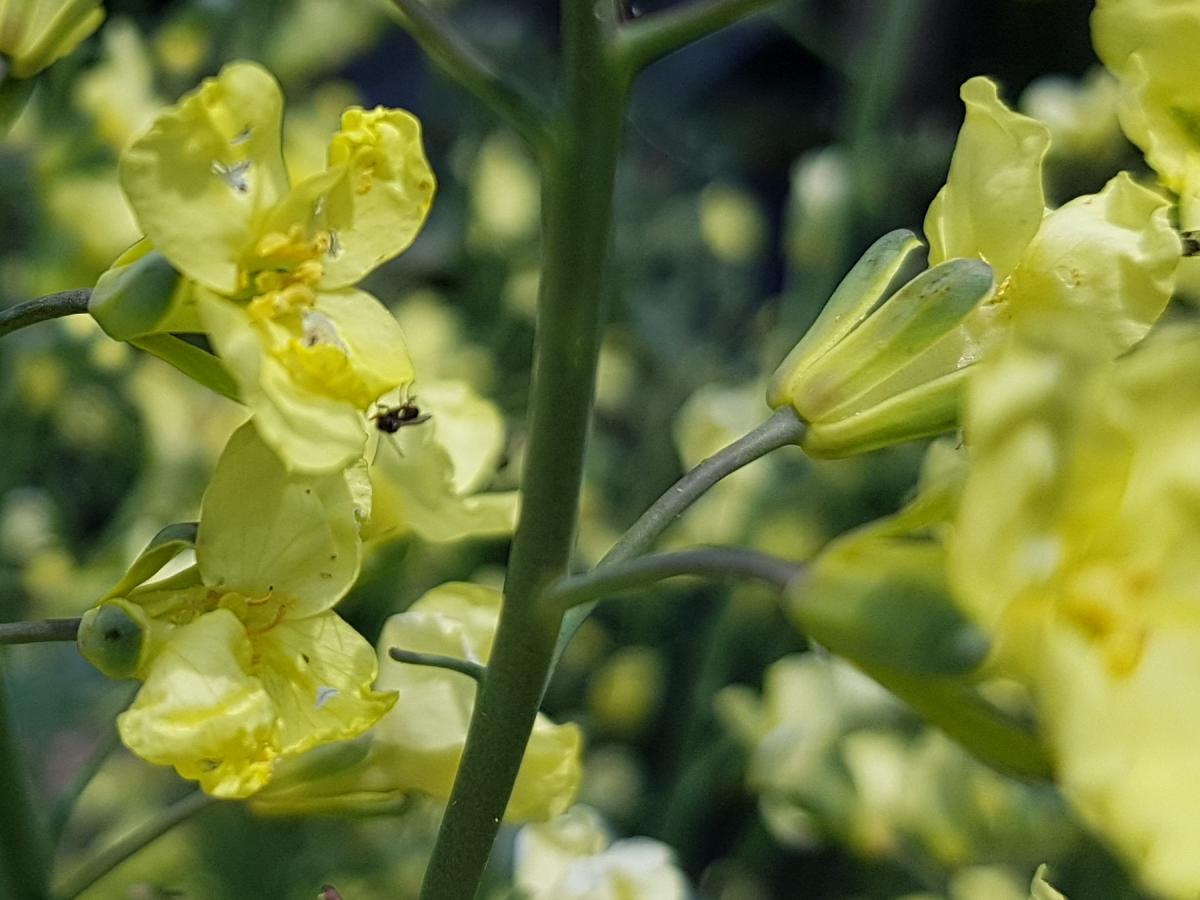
(873, 371)
(134, 297)
(112, 637)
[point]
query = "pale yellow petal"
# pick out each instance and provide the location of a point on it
(203, 712)
(265, 532)
(201, 179)
(993, 202)
(318, 672)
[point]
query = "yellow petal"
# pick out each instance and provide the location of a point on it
(201, 179)
(310, 431)
(380, 203)
(422, 474)
(265, 533)
(1110, 257)
(992, 203)
(318, 672)
(202, 711)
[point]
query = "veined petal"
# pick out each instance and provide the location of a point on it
(373, 341)
(201, 179)
(318, 672)
(380, 203)
(1110, 257)
(265, 532)
(311, 432)
(992, 203)
(201, 711)
(416, 479)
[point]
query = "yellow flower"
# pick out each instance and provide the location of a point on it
(869, 373)
(269, 268)
(428, 478)
(242, 660)
(36, 33)
(1077, 542)
(573, 858)
(1150, 45)
(416, 747)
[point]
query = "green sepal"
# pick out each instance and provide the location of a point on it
(163, 548)
(135, 296)
(112, 637)
(14, 95)
(884, 602)
(908, 323)
(197, 364)
(857, 294)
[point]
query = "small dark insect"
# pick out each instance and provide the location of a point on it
(391, 419)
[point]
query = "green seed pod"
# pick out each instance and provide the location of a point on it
(112, 637)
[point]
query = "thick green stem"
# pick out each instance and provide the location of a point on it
(614, 578)
(579, 172)
(460, 61)
(52, 306)
(23, 857)
(144, 835)
(643, 41)
(39, 632)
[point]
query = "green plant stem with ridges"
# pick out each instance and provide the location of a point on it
(39, 632)
(24, 862)
(644, 40)
(142, 836)
(52, 306)
(578, 179)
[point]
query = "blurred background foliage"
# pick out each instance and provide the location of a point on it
(758, 165)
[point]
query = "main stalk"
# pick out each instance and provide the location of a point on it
(579, 167)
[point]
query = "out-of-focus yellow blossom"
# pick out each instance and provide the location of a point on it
(870, 373)
(625, 692)
(269, 269)
(243, 663)
(505, 192)
(1150, 45)
(306, 127)
(108, 227)
(573, 858)
(416, 748)
(181, 45)
(731, 223)
(428, 478)
(119, 93)
(312, 37)
(1076, 542)
(36, 33)
(1081, 115)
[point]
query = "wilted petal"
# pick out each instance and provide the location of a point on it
(201, 711)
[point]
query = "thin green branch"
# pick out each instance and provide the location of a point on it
(645, 40)
(52, 306)
(615, 578)
(39, 632)
(454, 55)
(781, 429)
(24, 861)
(466, 667)
(145, 834)
(60, 815)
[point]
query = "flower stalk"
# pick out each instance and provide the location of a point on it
(578, 178)
(52, 306)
